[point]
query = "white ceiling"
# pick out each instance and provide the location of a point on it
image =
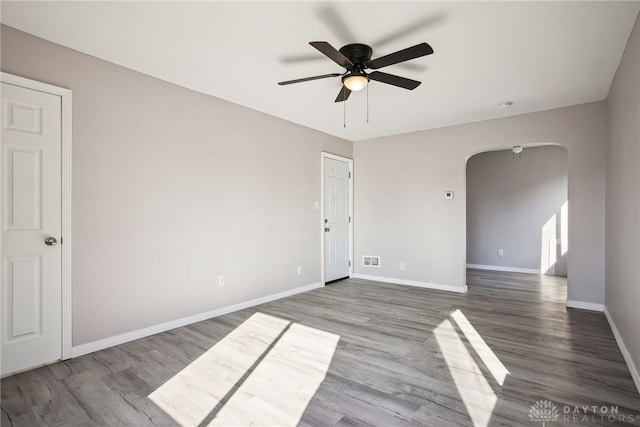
(538, 55)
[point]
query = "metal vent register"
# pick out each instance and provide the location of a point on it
(371, 261)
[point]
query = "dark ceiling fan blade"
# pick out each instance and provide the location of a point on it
(412, 52)
(394, 80)
(343, 95)
(332, 54)
(306, 79)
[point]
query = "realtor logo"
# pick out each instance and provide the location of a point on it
(545, 411)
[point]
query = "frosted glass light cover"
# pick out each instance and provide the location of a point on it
(355, 83)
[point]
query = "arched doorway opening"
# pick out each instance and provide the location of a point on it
(517, 210)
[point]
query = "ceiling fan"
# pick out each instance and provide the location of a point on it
(356, 58)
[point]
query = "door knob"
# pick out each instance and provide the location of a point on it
(50, 241)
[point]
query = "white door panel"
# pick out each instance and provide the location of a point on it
(31, 211)
(337, 221)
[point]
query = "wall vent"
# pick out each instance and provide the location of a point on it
(371, 261)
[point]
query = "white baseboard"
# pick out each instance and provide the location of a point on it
(156, 329)
(585, 305)
(449, 288)
(501, 268)
(633, 368)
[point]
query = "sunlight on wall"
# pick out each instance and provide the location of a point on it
(548, 251)
(489, 358)
(216, 390)
(474, 389)
(564, 228)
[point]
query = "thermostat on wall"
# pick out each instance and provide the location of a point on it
(448, 195)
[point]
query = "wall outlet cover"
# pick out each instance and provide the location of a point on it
(448, 195)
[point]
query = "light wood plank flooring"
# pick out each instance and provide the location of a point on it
(354, 353)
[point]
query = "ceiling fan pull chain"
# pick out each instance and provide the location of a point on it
(344, 110)
(367, 104)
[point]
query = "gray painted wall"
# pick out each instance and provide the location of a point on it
(623, 201)
(168, 181)
(401, 215)
(172, 188)
(510, 199)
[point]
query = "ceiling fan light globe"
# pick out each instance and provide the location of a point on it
(355, 83)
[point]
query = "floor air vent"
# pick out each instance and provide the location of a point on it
(371, 261)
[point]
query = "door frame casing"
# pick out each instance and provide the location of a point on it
(326, 155)
(65, 152)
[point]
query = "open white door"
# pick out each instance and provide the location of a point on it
(337, 218)
(31, 228)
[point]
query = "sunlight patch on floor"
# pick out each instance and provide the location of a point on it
(281, 387)
(289, 363)
(489, 358)
(474, 389)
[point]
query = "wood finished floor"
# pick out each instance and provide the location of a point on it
(403, 356)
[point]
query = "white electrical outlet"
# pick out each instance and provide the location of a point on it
(402, 266)
(299, 270)
(500, 252)
(221, 280)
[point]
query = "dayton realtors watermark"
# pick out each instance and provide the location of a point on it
(545, 411)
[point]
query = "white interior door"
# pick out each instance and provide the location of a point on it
(31, 228)
(337, 219)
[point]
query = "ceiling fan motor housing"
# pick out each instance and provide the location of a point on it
(358, 53)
